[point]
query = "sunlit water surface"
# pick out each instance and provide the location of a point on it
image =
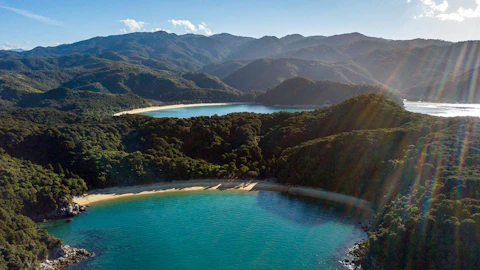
(213, 230)
(443, 109)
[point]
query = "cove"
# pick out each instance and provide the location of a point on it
(187, 112)
(213, 230)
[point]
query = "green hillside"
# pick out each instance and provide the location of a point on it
(302, 91)
(367, 146)
(265, 73)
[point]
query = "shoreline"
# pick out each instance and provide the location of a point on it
(179, 106)
(114, 193)
(176, 106)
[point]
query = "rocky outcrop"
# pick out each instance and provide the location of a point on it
(64, 256)
(65, 211)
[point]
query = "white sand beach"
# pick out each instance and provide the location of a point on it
(100, 195)
(177, 106)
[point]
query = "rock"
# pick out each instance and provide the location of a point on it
(64, 256)
(70, 220)
(82, 208)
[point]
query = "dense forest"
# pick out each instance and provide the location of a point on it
(303, 91)
(421, 172)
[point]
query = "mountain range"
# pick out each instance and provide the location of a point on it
(161, 65)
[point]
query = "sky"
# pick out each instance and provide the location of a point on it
(30, 23)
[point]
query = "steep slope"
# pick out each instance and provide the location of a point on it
(82, 102)
(362, 47)
(203, 80)
(302, 91)
(407, 68)
(464, 88)
(319, 53)
(265, 73)
(106, 73)
(221, 70)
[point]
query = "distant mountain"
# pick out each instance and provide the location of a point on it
(258, 48)
(112, 74)
(406, 68)
(18, 50)
(197, 50)
(319, 53)
(265, 73)
(231, 40)
(223, 69)
(303, 91)
(464, 88)
(291, 38)
(366, 46)
(332, 41)
(350, 58)
(192, 52)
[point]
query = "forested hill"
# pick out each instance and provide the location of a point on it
(265, 73)
(160, 65)
(367, 146)
(57, 137)
(302, 91)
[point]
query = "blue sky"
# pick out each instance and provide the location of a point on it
(31, 23)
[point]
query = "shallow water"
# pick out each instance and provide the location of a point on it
(213, 230)
(221, 110)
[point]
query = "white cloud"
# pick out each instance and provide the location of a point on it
(206, 30)
(132, 25)
(12, 46)
(470, 13)
(191, 28)
(451, 17)
(432, 9)
(160, 29)
(30, 15)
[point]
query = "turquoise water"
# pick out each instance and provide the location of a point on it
(220, 110)
(435, 109)
(212, 230)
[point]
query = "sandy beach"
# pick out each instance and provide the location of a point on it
(100, 195)
(157, 108)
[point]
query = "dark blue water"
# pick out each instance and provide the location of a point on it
(212, 230)
(220, 110)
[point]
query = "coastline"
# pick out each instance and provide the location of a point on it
(113, 193)
(177, 106)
